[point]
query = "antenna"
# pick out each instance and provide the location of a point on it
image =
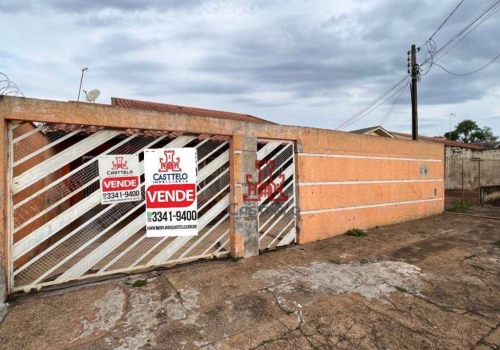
(92, 95)
(84, 69)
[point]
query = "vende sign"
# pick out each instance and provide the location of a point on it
(119, 177)
(171, 198)
(125, 183)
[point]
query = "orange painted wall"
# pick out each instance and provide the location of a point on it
(322, 225)
(321, 197)
(358, 181)
(358, 169)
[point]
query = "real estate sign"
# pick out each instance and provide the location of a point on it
(119, 177)
(171, 197)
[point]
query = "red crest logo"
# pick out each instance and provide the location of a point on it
(168, 163)
(119, 164)
(265, 186)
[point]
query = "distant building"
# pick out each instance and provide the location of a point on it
(374, 131)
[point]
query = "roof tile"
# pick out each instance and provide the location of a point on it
(200, 112)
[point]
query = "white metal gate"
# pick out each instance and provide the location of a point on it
(59, 231)
(277, 205)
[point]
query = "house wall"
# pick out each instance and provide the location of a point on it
(344, 180)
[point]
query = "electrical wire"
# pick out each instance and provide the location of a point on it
(375, 104)
(393, 107)
(433, 57)
(488, 12)
(446, 20)
(493, 11)
(462, 75)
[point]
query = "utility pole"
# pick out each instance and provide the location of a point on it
(413, 87)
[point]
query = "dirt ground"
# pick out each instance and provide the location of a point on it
(432, 283)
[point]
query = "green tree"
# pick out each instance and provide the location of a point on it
(467, 131)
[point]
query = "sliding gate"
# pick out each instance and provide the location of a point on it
(59, 231)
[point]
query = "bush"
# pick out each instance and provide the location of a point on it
(139, 283)
(356, 232)
(461, 206)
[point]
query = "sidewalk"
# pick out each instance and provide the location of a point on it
(432, 283)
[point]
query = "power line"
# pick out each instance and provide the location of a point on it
(446, 20)
(393, 107)
(462, 75)
(493, 11)
(486, 12)
(358, 115)
(434, 55)
(375, 104)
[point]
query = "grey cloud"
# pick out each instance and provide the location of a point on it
(133, 73)
(13, 6)
(124, 5)
(325, 66)
(121, 43)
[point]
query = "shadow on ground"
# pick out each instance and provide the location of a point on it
(426, 284)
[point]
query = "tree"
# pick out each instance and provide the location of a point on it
(467, 131)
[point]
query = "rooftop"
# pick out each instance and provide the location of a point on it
(194, 111)
(440, 140)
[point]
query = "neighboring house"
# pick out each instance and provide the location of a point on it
(446, 142)
(374, 131)
(199, 112)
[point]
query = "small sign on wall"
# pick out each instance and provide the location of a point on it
(119, 177)
(171, 197)
(424, 170)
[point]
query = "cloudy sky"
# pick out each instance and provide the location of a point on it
(302, 62)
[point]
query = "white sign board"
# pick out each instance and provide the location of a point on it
(119, 176)
(171, 202)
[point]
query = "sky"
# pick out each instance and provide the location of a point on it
(300, 62)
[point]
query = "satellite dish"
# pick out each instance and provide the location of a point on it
(92, 95)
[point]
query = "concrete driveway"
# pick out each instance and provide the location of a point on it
(432, 283)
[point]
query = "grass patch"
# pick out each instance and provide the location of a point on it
(356, 232)
(235, 258)
(497, 243)
(139, 283)
(458, 206)
(268, 341)
(401, 289)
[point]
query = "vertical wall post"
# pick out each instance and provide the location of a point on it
(463, 175)
(479, 190)
(244, 224)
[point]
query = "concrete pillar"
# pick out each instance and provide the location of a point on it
(244, 224)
